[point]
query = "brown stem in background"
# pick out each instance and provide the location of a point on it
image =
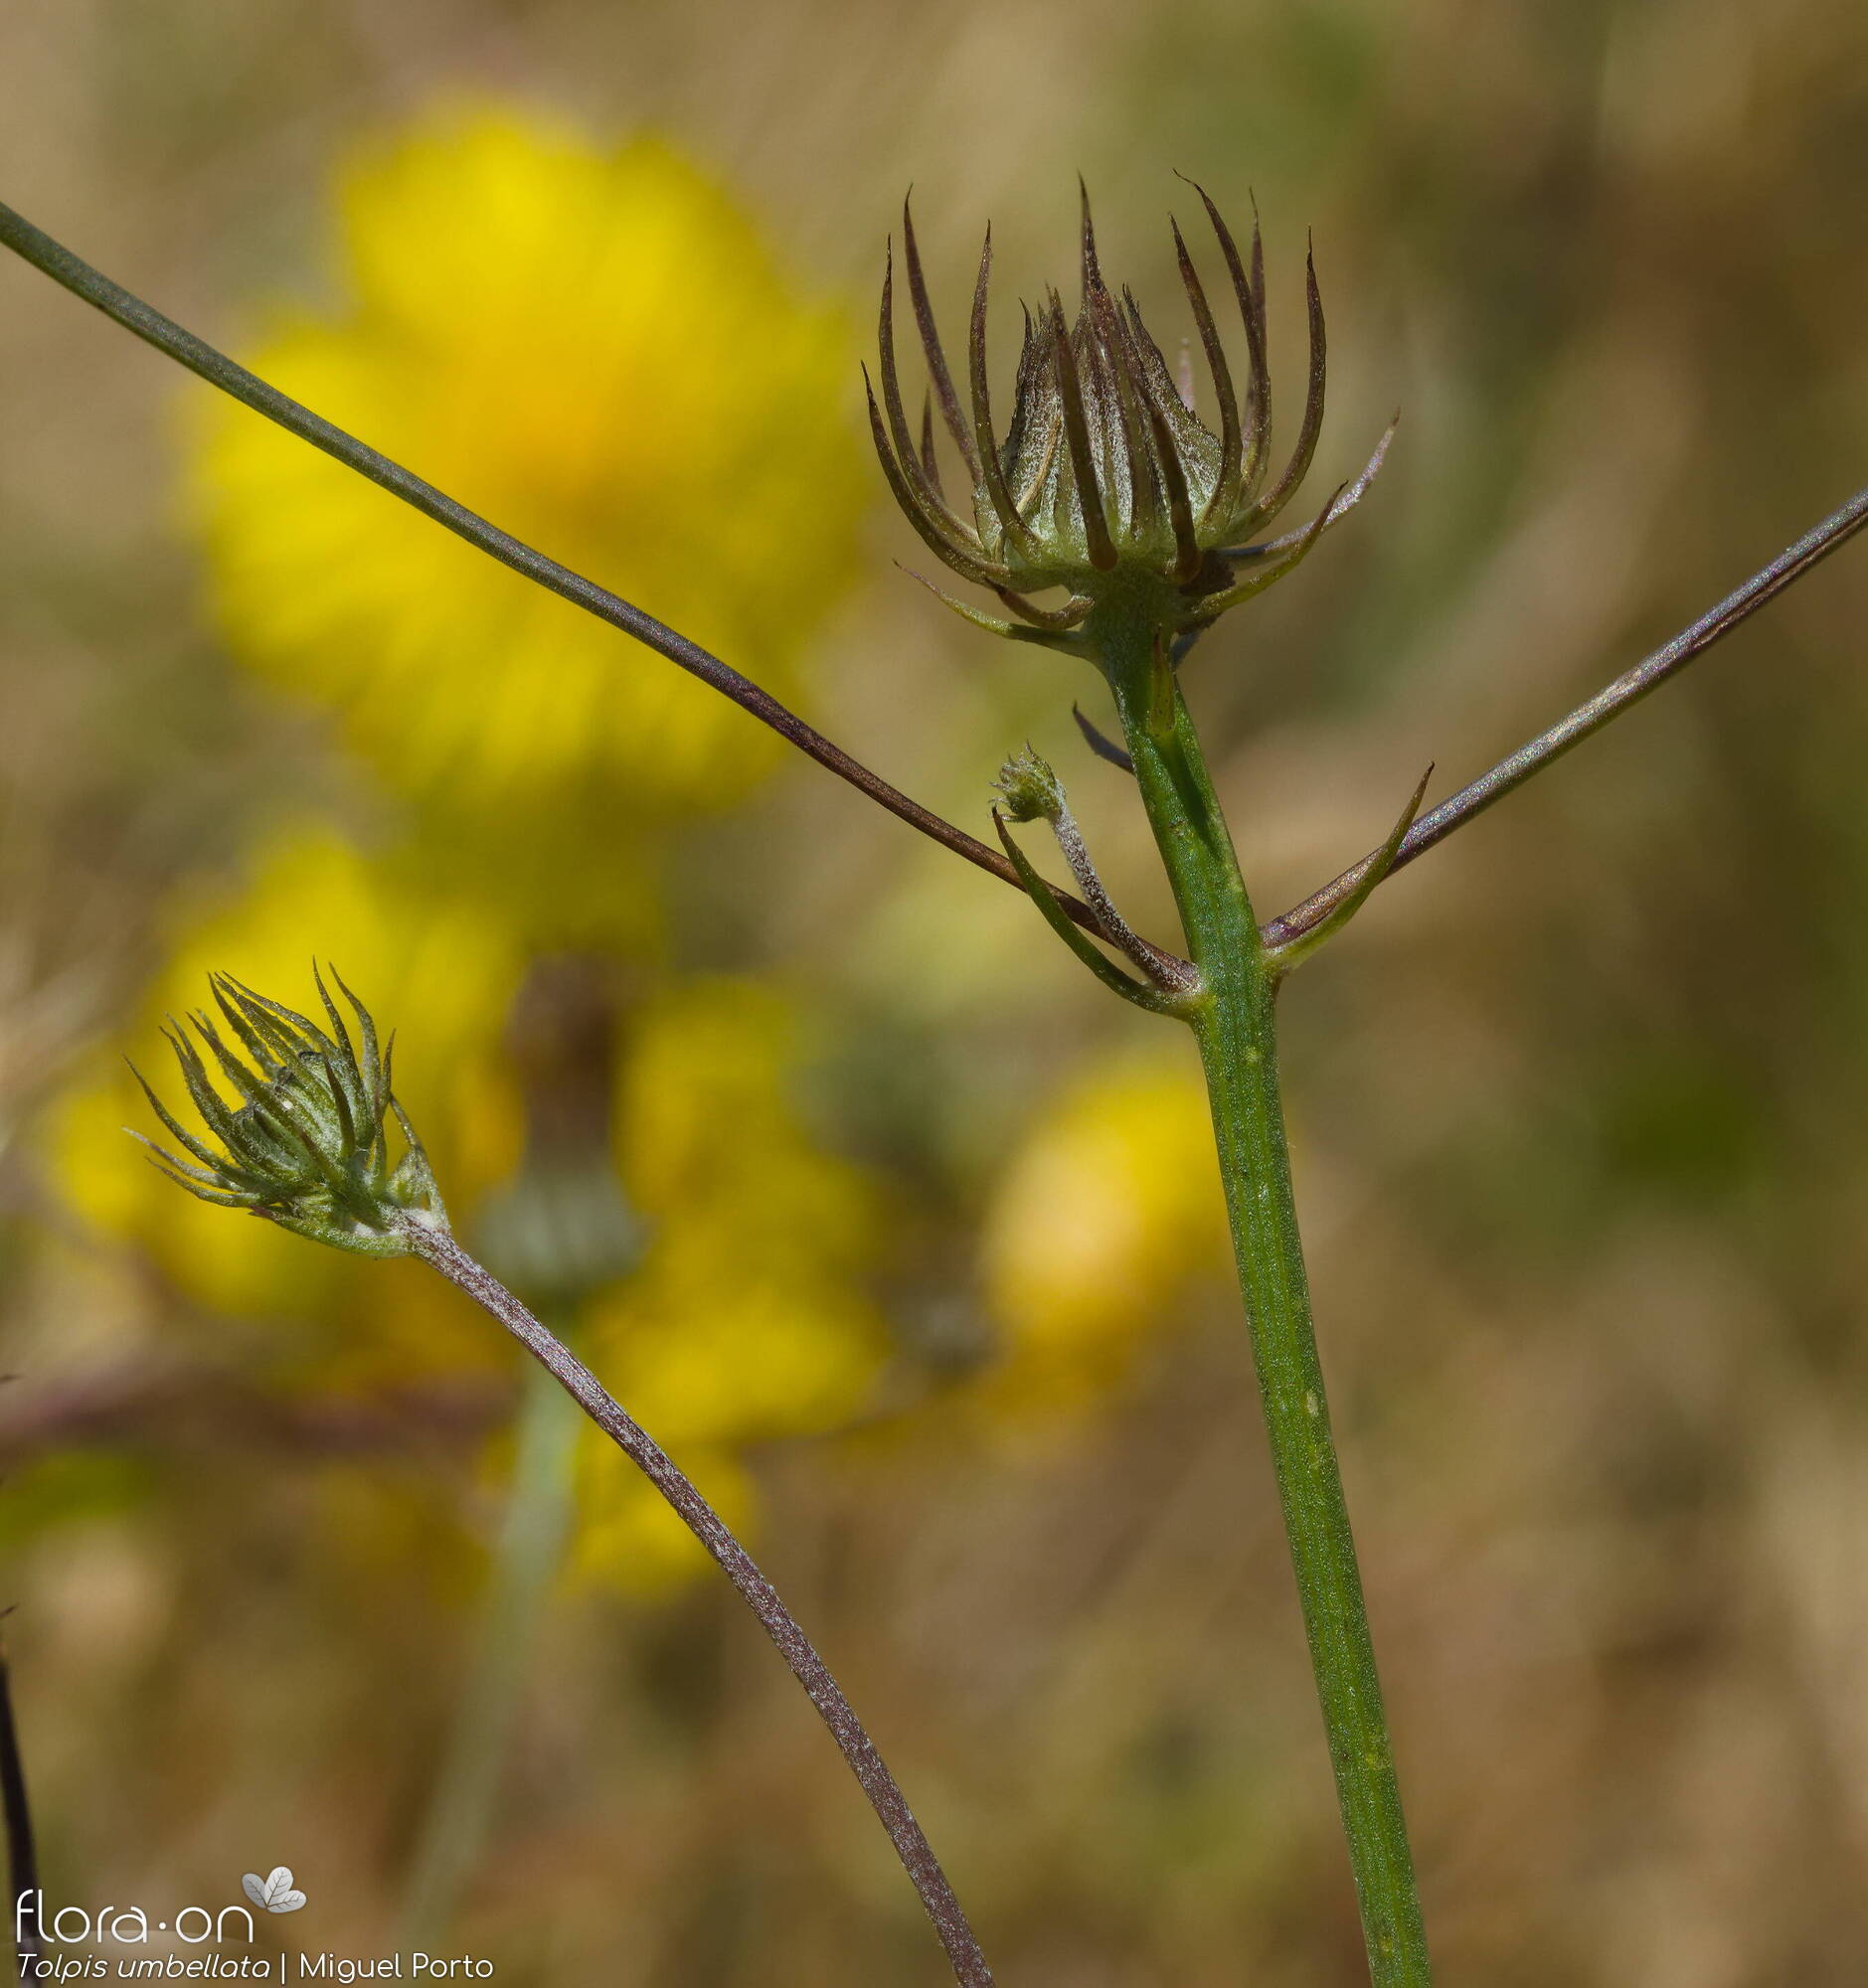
(180, 1405)
(439, 1249)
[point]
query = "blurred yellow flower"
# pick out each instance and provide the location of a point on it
(596, 350)
(419, 956)
(748, 1320)
(703, 1123)
(1107, 1210)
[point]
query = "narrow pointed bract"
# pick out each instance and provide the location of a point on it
(1108, 472)
(307, 1146)
(1232, 445)
(1294, 951)
(938, 376)
(926, 488)
(947, 545)
(1275, 499)
(1345, 500)
(1094, 518)
(1016, 532)
(1099, 743)
(1273, 571)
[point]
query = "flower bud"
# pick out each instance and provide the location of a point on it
(1032, 789)
(308, 1145)
(1105, 475)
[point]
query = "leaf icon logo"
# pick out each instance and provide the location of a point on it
(274, 1890)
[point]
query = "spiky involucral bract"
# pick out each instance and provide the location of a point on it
(307, 1146)
(1104, 466)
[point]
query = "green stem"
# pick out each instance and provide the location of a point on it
(1234, 1020)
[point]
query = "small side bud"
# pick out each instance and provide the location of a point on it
(1032, 789)
(307, 1143)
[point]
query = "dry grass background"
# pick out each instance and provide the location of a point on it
(1579, 1109)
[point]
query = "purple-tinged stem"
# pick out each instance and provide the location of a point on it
(437, 1248)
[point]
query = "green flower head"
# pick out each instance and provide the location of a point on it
(308, 1145)
(1030, 788)
(1105, 473)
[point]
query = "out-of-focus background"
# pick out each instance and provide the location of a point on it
(893, 1224)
